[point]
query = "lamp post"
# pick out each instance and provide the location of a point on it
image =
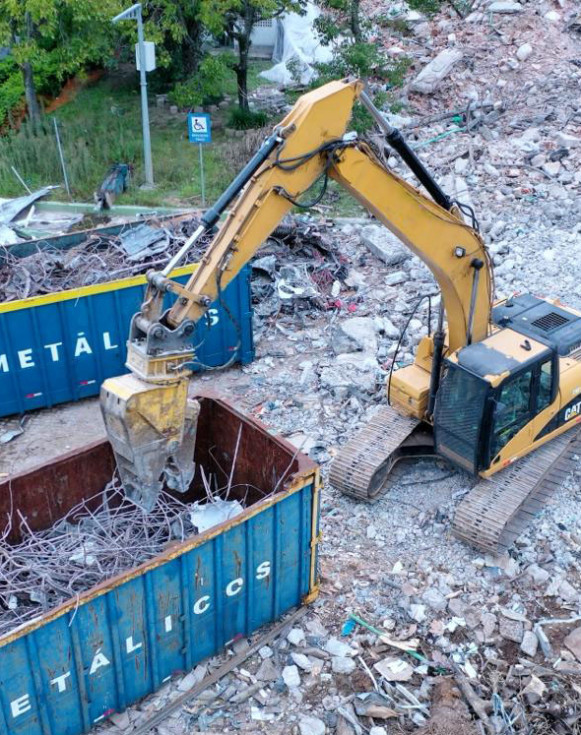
(134, 13)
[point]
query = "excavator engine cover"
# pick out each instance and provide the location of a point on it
(152, 430)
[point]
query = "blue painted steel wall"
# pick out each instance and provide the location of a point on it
(62, 350)
(75, 670)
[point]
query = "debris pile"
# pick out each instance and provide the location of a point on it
(98, 259)
(97, 539)
(298, 268)
(498, 638)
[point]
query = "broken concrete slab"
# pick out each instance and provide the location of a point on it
(384, 245)
(361, 330)
(430, 77)
(394, 669)
(573, 643)
(309, 725)
(529, 643)
(511, 630)
(505, 6)
(343, 665)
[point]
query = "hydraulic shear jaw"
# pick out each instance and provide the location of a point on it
(152, 429)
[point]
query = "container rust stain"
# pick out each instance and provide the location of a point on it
(124, 638)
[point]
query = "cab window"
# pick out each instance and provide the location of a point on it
(545, 385)
(513, 410)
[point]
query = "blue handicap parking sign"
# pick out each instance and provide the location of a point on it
(199, 127)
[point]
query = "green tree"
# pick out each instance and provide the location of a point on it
(55, 38)
(238, 18)
(177, 28)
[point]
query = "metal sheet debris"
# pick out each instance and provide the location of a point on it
(144, 242)
(10, 209)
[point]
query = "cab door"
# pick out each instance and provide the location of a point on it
(513, 412)
(520, 399)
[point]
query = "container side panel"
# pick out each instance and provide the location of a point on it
(19, 358)
(233, 582)
(11, 397)
(168, 624)
(131, 629)
(292, 533)
(95, 626)
(83, 346)
(58, 676)
(261, 608)
(202, 572)
(305, 550)
(62, 351)
(115, 648)
(17, 691)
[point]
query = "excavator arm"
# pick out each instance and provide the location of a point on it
(150, 422)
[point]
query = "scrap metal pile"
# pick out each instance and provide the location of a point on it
(99, 538)
(99, 258)
(299, 265)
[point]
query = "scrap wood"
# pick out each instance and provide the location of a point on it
(226, 668)
(478, 705)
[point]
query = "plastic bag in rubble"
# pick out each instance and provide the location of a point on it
(301, 48)
(208, 515)
(295, 283)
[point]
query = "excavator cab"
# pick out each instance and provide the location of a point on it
(478, 413)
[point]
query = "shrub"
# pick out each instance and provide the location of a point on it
(204, 88)
(247, 119)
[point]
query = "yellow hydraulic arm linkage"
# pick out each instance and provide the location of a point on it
(150, 422)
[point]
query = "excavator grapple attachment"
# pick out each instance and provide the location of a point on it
(152, 429)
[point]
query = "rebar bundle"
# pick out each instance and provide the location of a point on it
(97, 539)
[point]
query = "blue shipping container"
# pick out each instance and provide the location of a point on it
(62, 346)
(73, 667)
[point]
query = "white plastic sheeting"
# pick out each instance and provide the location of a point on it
(301, 46)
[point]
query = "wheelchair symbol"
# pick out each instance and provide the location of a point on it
(199, 124)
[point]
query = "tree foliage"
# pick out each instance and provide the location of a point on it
(55, 38)
(177, 28)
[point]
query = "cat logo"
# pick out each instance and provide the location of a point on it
(573, 411)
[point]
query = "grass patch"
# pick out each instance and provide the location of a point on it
(102, 126)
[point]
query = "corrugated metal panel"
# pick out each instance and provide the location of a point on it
(61, 347)
(122, 640)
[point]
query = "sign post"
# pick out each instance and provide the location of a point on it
(146, 63)
(200, 132)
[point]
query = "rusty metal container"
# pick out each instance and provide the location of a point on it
(72, 667)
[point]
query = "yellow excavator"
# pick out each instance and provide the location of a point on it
(487, 387)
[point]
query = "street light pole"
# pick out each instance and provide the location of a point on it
(134, 12)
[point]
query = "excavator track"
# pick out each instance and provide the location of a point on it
(496, 511)
(362, 468)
